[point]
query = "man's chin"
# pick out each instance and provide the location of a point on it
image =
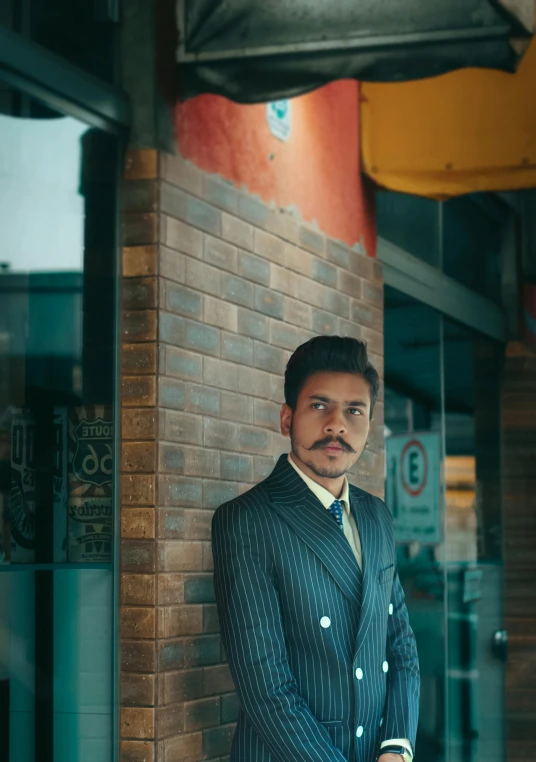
(326, 471)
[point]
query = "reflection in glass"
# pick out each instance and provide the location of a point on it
(443, 385)
(411, 223)
(461, 237)
(83, 33)
(473, 548)
(472, 238)
(57, 333)
(414, 493)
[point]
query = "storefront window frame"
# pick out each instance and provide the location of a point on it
(453, 301)
(58, 84)
(62, 86)
(429, 285)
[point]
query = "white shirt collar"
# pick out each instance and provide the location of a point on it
(324, 495)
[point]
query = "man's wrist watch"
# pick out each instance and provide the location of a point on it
(394, 749)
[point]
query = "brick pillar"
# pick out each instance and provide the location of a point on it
(139, 430)
(218, 293)
(519, 528)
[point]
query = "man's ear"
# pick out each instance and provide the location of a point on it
(286, 419)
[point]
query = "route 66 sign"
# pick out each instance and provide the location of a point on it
(90, 484)
(92, 459)
(90, 444)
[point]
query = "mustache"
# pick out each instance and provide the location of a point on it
(330, 440)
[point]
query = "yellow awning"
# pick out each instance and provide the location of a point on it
(467, 131)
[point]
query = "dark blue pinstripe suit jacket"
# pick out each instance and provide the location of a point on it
(281, 564)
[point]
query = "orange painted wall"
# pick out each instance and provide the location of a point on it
(316, 171)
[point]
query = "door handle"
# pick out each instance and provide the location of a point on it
(500, 645)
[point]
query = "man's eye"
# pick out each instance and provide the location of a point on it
(318, 405)
(356, 411)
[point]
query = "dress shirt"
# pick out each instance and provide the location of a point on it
(349, 526)
(351, 533)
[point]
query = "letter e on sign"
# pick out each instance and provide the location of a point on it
(414, 467)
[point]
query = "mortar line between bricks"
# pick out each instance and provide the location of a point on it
(222, 389)
(195, 636)
(270, 206)
(137, 440)
(137, 507)
(221, 270)
(183, 218)
(189, 191)
(183, 284)
(137, 640)
(137, 738)
(237, 275)
(186, 443)
(136, 472)
(327, 288)
(322, 309)
(189, 349)
(207, 415)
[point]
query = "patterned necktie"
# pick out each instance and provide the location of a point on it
(336, 511)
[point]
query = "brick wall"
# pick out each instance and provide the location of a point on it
(218, 290)
(519, 542)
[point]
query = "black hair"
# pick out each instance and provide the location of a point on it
(336, 354)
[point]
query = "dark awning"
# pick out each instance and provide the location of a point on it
(263, 50)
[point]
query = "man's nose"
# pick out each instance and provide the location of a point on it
(336, 423)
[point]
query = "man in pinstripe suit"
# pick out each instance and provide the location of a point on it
(311, 608)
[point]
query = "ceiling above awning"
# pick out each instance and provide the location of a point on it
(253, 51)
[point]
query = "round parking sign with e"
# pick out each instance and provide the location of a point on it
(414, 467)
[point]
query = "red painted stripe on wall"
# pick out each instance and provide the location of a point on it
(317, 171)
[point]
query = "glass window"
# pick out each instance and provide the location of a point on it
(473, 549)
(443, 458)
(57, 350)
(410, 222)
(461, 237)
(413, 413)
(83, 32)
(472, 241)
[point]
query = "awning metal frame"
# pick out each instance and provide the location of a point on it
(358, 44)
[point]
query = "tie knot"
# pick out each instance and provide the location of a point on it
(336, 511)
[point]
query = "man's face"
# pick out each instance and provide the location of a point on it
(329, 428)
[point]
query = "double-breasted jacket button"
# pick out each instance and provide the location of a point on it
(325, 621)
(391, 608)
(359, 673)
(385, 666)
(359, 731)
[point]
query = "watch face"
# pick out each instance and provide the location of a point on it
(404, 753)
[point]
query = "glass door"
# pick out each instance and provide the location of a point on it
(473, 553)
(414, 493)
(442, 417)
(58, 190)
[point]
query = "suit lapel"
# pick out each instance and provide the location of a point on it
(294, 502)
(362, 508)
